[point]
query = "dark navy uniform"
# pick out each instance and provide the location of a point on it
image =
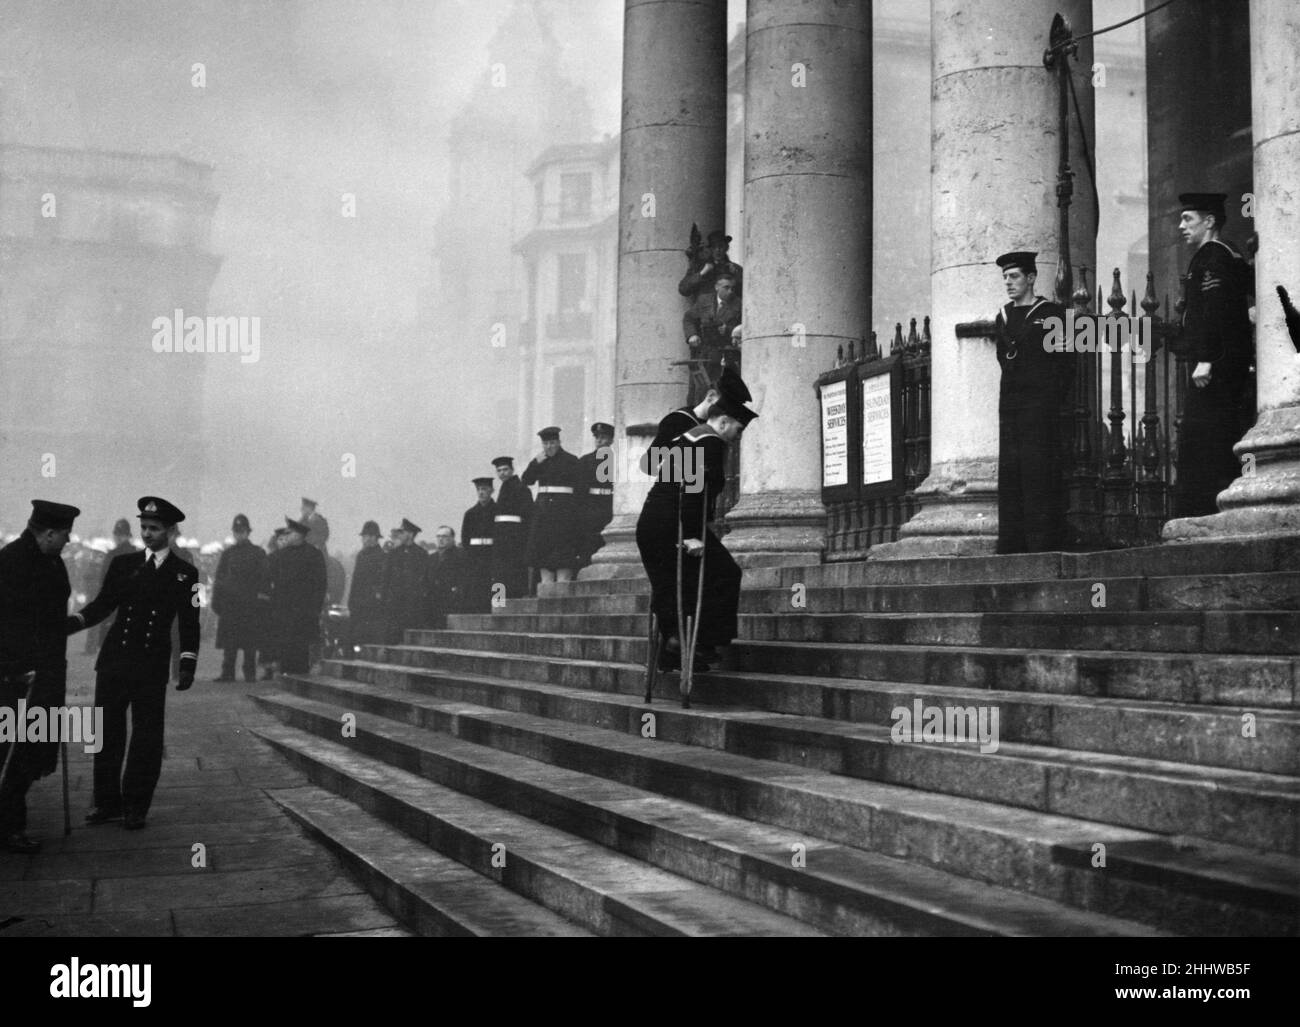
(596, 495)
(95, 639)
(34, 591)
(690, 479)
(511, 524)
(135, 662)
(1217, 331)
(405, 600)
(241, 577)
(444, 584)
(556, 532)
(299, 582)
(670, 426)
(477, 538)
(1034, 390)
(365, 600)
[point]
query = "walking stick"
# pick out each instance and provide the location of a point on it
(652, 665)
(681, 631)
(693, 624)
(67, 812)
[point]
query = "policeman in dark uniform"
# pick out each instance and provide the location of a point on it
(149, 591)
(405, 598)
(511, 524)
(34, 590)
(298, 585)
(241, 577)
(556, 532)
(691, 477)
(477, 537)
(1035, 388)
(1217, 337)
(596, 491)
(365, 600)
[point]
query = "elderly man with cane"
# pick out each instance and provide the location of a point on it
(34, 591)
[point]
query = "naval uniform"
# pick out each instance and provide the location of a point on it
(240, 578)
(405, 602)
(133, 667)
(596, 497)
(672, 424)
(556, 532)
(1034, 391)
(656, 538)
(511, 522)
(34, 590)
(365, 603)
(477, 537)
(298, 584)
(1217, 331)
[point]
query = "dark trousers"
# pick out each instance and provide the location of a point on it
(1031, 518)
(131, 789)
(656, 538)
(19, 777)
(1206, 464)
(228, 657)
(295, 657)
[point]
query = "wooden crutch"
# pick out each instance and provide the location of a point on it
(692, 623)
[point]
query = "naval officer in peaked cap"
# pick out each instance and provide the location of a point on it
(148, 590)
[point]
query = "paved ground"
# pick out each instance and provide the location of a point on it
(263, 875)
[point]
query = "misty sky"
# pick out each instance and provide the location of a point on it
(303, 101)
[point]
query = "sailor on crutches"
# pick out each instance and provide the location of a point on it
(692, 576)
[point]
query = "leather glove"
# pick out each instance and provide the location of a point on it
(185, 677)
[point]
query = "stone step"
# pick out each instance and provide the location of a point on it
(1220, 889)
(1176, 733)
(436, 895)
(837, 888)
(601, 661)
(585, 883)
(1260, 591)
(1232, 806)
(1179, 631)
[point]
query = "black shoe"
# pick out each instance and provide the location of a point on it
(669, 659)
(707, 653)
(133, 821)
(98, 815)
(19, 842)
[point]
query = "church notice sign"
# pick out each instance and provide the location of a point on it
(877, 430)
(835, 434)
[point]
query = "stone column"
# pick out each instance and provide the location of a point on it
(995, 155)
(808, 253)
(672, 173)
(1265, 500)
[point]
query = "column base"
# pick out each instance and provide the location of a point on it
(959, 515)
(619, 556)
(777, 527)
(1266, 502)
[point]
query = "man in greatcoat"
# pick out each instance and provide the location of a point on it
(365, 598)
(241, 577)
(511, 524)
(405, 599)
(444, 577)
(298, 584)
(149, 591)
(556, 533)
(478, 538)
(34, 590)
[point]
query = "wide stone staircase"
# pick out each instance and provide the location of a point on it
(504, 776)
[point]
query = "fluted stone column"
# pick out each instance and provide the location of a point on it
(1265, 500)
(808, 252)
(995, 156)
(673, 173)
